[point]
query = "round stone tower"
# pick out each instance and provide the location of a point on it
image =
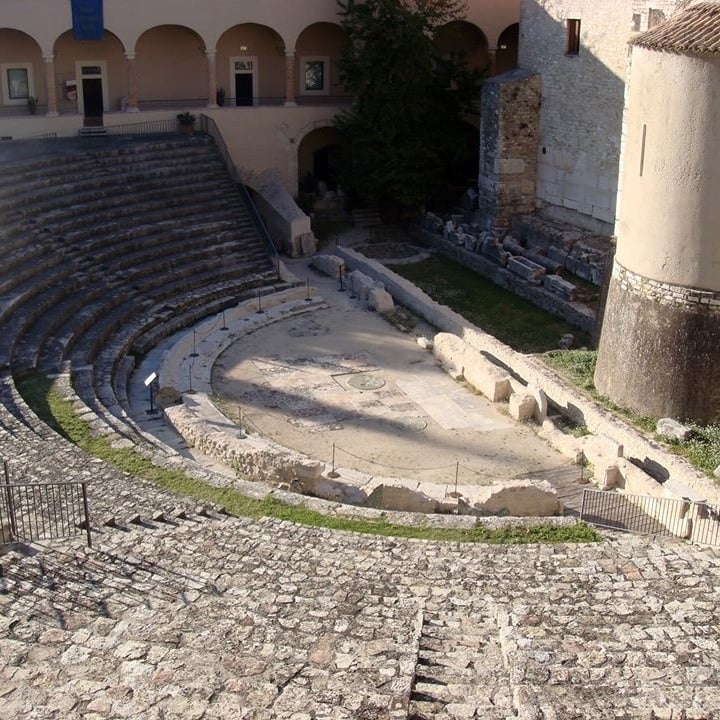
(659, 350)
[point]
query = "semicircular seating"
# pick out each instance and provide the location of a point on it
(108, 247)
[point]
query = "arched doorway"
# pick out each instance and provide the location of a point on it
(317, 51)
(171, 68)
(21, 66)
(91, 75)
(250, 63)
(506, 57)
(462, 39)
(318, 157)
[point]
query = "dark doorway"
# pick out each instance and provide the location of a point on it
(325, 164)
(93, 100)
(243, 89)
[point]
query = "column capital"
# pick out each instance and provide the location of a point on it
(290, 52)
(210, 53)
(129, 55)
(48, 59)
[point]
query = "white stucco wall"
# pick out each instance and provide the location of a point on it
(669, 220)
(583, 97)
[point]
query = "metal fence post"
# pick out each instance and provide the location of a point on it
(11, 506)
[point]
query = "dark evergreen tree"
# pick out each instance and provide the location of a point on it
(403, 133)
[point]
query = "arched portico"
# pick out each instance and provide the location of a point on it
(506, 56)
(461, 38)
(172, 68)
(23, 72)
(317, 52)
(90, 76)
(250, 63)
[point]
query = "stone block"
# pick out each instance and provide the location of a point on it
(550, 266)
(494, 251)
(522, 406)
(672, 429)
(328, 264)
(611, 478)
(489, 379)
(513, 498)
(541, 403)
(562, 288)
(308, 244)
(381, 300)
(510, 244)
(449, 351)
(526, 269)
(558, 255)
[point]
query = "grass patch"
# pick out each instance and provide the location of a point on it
(511, 319)
(57, 412)
(702, 450)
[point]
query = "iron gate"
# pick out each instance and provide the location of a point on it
(647, 515)
(42, 511)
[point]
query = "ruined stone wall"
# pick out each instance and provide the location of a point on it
(582, 99)
(508, 147)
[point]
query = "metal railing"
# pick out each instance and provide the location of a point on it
(42, 511)
(144, 128)
(647, 515)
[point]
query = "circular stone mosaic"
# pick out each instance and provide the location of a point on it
(362, 381)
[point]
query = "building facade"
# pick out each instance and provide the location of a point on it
(266, 71)
(580, 49)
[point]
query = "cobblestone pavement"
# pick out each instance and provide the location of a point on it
(233, 618)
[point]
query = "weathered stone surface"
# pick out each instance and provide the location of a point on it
(527, 269)
(380, 299)
(514, 498)
(328, 264)
(460, 360)
(522, 407)
(672, 429)
(559, 286)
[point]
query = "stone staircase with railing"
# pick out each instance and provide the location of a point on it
(108, 248)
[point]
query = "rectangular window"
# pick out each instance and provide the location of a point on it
(655, 17)
(17, 83)
(573, 37)
(314, 75)
(636, 22)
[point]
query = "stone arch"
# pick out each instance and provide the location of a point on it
(317, 156)
(107, 55)
(23, 69)
(250, 62)
(506, 56)
(463, 38)
(317, 60)
(171, 67)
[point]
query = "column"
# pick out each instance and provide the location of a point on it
(492, 59)
(212, 80)
(290, 78)
(50, 90)
(132, 98)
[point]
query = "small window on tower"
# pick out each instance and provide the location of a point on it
(636, 21)
(655, 17)
(573, 36)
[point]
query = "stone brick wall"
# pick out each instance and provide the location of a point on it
(665, 293)
(508, 147)
(582, 99)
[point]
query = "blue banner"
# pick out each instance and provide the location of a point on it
(87, 19)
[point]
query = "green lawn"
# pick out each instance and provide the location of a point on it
(511, 319)
(57, 412)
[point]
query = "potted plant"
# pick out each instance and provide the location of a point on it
(220, 96)
(187, 122)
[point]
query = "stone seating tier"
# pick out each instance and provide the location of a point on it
(80, 190)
